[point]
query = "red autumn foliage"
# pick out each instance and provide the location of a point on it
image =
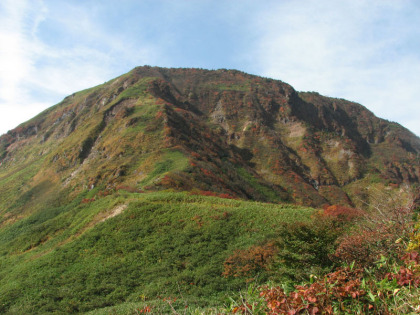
(342, 213)
(193, 164)
(159, 114)
(88, 200)
(409, 274)
(105, 193)
(195, 154)
(357, 247)
(146, 309)
(337, 289)
(204, 193)
(247, 262)
(226, 196)
(317, 297)
(206, 172)
(245, 308)
(379, 232)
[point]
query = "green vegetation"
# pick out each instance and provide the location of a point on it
(261, 189)
(136, 90)
(228, 86)
(65, 259)
(170, 161)
(171, 251)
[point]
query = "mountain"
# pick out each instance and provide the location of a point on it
(211, 132)
(186, 183)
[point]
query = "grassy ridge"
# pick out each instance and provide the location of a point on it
(160, 245)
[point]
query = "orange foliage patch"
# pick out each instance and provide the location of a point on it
(342, 213)
(249, 261)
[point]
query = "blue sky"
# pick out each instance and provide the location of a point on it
(367, 51)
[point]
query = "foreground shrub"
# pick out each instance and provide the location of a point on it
(337, 289)
(386, 279)
(383, 231)
(350, 291)
(305, 248)
(347, 290)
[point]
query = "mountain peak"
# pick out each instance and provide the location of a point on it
(219, 131)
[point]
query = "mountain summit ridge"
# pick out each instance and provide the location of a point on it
(209, 131)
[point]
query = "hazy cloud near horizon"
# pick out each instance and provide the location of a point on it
(364, 51)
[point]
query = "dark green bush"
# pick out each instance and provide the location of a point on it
(305, 248)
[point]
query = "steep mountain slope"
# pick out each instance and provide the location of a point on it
(222, 131)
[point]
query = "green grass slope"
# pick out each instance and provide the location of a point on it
(131, 247)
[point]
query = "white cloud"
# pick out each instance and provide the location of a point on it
(15, 62)
(349, 49)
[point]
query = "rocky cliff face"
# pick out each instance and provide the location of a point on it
(221, 131)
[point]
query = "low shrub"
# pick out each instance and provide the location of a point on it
(338, 288)
(384, 230)
(305, 249)
(347, 290)
(249, 262)
(341, 214)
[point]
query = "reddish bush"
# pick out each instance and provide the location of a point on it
(192, 163)
(88, 200)
(342, 213)
(382, 231)
(316, 298)
(226, 196)
(196, 155)
(246, 263)
(340, 289)
(159, 114)
(357, 247)
(205, 193)
(105, 193)
(409, 274)
(207, 172)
